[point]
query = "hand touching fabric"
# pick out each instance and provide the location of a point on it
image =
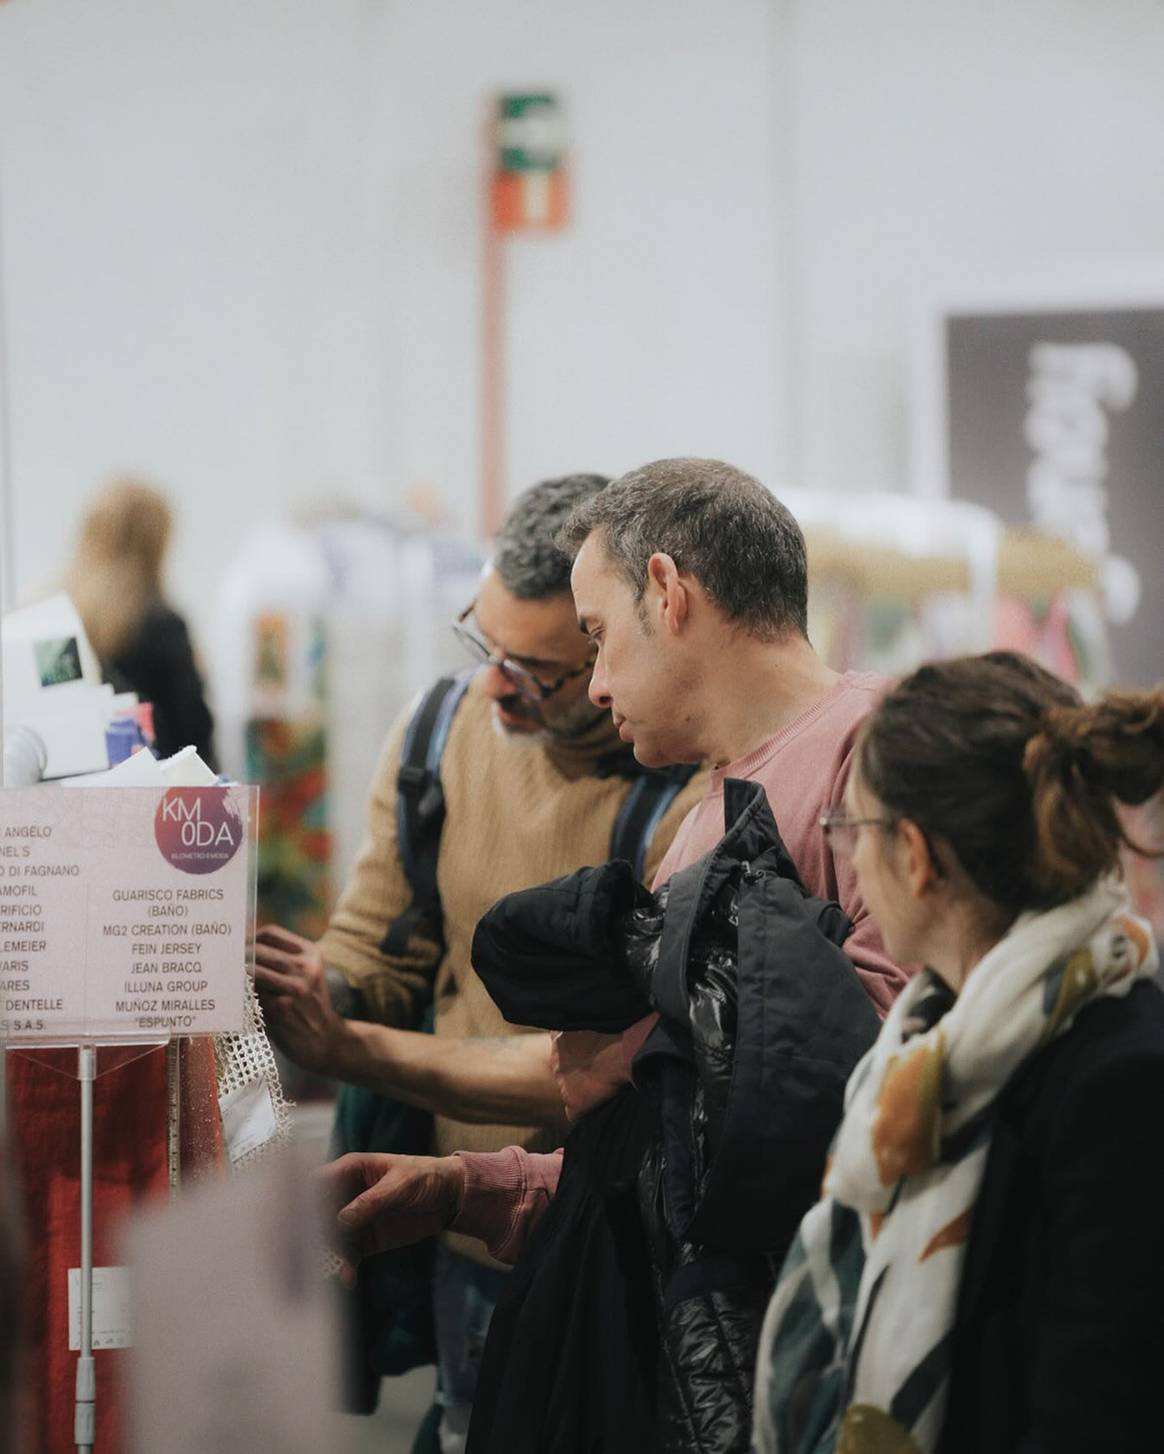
(292, 985)
(384, 1201)
(588, 1067)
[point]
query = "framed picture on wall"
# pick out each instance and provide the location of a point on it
(1043, 398)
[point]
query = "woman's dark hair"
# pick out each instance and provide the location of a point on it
(1005, 763)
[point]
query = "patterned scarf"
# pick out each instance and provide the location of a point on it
(854, 1356)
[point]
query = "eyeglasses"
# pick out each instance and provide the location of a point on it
(841, 830)
(527, 683)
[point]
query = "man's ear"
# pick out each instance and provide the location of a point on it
(667, 593)
(923, 871)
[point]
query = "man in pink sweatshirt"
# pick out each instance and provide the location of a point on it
(690, 580)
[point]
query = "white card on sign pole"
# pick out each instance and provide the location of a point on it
(111, 1303)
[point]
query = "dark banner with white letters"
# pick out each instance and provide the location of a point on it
(1056, 419)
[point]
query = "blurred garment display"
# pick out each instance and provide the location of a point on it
(115, 581)
(326, 630)
(288, 759)
(898, 579)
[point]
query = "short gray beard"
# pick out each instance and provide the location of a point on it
(572, 724)
(519, 739)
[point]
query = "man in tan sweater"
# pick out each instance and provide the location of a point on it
(534, 776)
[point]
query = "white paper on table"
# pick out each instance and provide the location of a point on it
(141, 769)
(138, 770)
(248, 1119)
(185, 769)
(111, 1308)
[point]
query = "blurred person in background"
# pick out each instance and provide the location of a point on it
(115, 580)
(985, 1274)
(534, 781)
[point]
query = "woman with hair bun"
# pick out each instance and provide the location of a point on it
(985, 1271)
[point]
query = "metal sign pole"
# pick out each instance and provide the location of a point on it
(5, 598)
(85, 1419)
(7, 542)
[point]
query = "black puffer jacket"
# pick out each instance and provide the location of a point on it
(761, 1019)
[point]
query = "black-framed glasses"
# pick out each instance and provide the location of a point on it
(840, 829)
(526, 682)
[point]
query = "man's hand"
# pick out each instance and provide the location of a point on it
(384, 1201)
(589, 1068)
(290, 979)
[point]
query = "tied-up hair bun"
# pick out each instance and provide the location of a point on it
(1123, 735)
(1061, 748)
(1116, 744)
(998, 757)
(1079, 764)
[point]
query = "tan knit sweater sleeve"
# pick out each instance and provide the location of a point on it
(397, 987)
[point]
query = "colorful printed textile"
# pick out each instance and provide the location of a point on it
(288, 759)
(854, 1355)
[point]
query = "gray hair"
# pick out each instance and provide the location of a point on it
(738, 541)
(526, 558)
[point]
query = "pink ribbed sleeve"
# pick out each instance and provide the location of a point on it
(505, 1193)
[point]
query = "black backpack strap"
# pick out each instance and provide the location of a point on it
(643, 810)
(420, 806)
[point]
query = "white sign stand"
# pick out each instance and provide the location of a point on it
(132, 911)
(85, 1418)
(5, 599)
(85, 1389)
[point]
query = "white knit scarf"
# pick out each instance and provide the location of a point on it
(854, 1355)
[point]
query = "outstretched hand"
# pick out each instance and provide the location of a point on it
(383, 1201)
(292, 986)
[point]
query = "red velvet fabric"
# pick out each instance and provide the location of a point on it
(130, 1165)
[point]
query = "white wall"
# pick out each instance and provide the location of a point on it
(242, 248)
(947, 138)
(186, 263)
(242, 241)
(649, 328)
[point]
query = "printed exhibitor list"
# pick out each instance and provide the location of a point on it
(103, 935)
(26, 990)
(164, 938)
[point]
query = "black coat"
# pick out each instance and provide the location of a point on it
(632, 1317)
(1058, 1341)
(158, 664)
